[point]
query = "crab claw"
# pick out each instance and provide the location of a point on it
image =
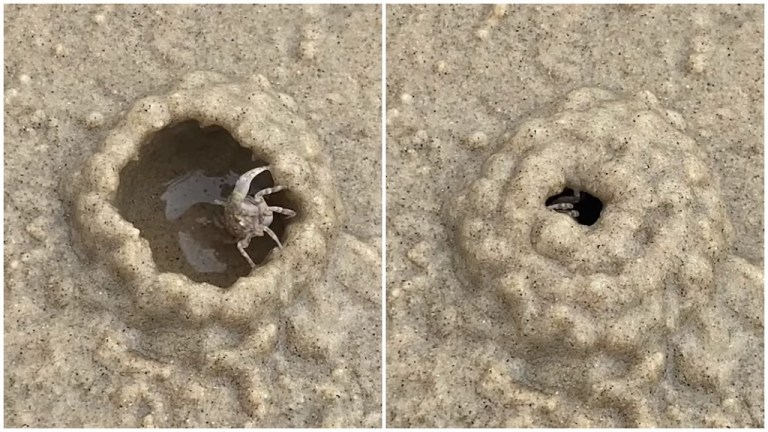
(244, 183)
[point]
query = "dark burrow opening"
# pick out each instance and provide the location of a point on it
(169, 195)
(588, 206)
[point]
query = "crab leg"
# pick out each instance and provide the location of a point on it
(268, 191)
(566, 204)
(274, 237)
(284, 211)
(241, 245)
(560, 206)
(566, 208)
(244, 184)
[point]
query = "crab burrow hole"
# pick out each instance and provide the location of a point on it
(169, 194)
(588, 205)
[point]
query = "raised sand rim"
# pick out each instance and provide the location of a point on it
(260, 120)
(621, 304)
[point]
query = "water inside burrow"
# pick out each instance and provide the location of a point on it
(168, 193)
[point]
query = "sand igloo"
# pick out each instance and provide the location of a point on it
(609, 299)
(262, 121)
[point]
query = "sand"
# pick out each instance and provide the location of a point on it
(125, 305)
(503, 313)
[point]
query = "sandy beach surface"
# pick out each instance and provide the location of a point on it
(83, 347)
(503, 313)
(127, 303)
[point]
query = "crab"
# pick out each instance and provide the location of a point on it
(246, 216)
(566, 204)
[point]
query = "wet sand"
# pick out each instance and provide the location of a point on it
(503, 313)
(84, 346)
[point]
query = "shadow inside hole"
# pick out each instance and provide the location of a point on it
(588, 206)
(169, 195)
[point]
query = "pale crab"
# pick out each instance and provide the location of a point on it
(246, 217)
